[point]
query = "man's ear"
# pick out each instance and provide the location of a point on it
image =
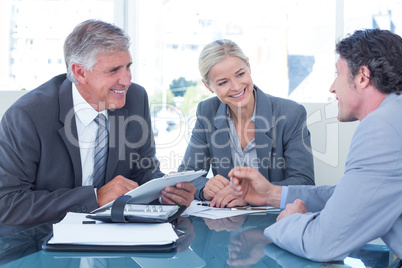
(79, 72)
(364, 77)
(207, 86)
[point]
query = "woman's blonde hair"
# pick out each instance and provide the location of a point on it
(215, 52)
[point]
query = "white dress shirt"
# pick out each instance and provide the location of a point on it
(87, 130)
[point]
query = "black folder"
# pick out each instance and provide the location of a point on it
(105, 248)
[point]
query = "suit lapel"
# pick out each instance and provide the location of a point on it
(69, 130)
(264, 122)
(117, 138)
(222, 139)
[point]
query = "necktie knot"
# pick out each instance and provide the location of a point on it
(101, 120)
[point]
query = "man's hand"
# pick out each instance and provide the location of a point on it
(213, 186)
(114, 189)
(182, 194)
(298, 206)
(226, 198)
(254, 188)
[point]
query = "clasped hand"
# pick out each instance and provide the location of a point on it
(217, 190)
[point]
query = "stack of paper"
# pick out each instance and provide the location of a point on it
(75, 228)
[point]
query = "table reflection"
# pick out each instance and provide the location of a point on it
(17, 242)
(224, 242)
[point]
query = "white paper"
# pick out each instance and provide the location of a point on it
(151, 190)
(217, 213)
(71, 230)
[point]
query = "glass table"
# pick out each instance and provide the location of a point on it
(229, 242)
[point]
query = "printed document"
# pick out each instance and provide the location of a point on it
(75, 228)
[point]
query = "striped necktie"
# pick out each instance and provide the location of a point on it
(101, 150)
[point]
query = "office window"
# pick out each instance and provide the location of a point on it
(288, 43)
(34, 32)
(384, 14)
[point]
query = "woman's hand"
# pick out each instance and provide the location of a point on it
(213, 186)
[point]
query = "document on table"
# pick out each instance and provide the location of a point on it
(75, 228)
(205, 211)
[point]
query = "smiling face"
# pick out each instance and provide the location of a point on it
(346, 93)
(231, 80)
(105, 87)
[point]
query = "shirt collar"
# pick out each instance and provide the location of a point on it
(83, 110)
(255, 108)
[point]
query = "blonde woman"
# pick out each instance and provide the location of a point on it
(243, 126)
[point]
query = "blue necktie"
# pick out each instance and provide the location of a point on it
(101, 150)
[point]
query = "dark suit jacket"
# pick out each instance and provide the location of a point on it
(281, 136)
(40, 166)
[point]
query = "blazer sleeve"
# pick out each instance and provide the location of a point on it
(20, 153)
(356, 212)
(197, 154)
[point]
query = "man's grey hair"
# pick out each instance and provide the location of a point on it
(89, 39)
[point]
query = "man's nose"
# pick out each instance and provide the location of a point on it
(125, 78)
(332, 88)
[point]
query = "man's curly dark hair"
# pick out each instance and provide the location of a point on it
(380, 51)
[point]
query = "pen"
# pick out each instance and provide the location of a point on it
(253, 208)
(88, 222)
(203, 204)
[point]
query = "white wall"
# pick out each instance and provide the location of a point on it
(330, 140)
(7, 98)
